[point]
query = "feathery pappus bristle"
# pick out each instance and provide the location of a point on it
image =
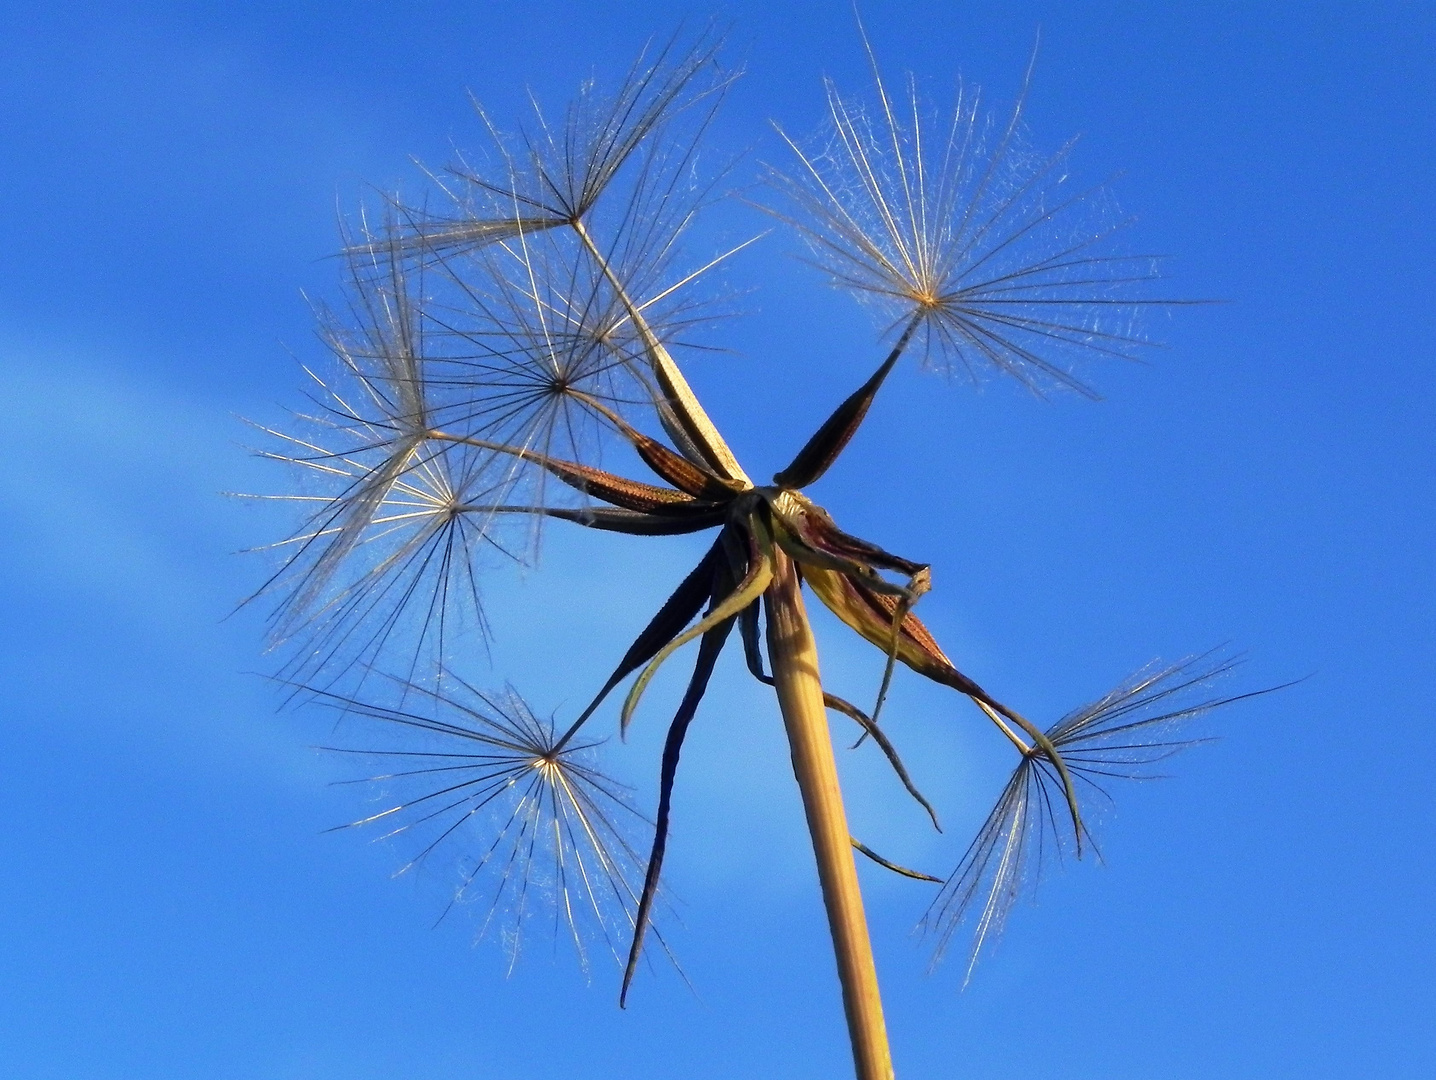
(1120, 736)
(535, 833)
(383, 533)
(952, 221)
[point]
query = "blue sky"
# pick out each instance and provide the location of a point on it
(172, 908)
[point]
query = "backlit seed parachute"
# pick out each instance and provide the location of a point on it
(524, 331)
(476, 784)
(641, 136)
(1120, 736)
(381, 536)
(950, 220)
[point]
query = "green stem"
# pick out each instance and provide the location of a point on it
(794, 658)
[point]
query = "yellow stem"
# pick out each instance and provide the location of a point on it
(794, 657)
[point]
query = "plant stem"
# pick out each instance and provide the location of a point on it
(794, 658)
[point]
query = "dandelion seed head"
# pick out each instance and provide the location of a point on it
(487, 355)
